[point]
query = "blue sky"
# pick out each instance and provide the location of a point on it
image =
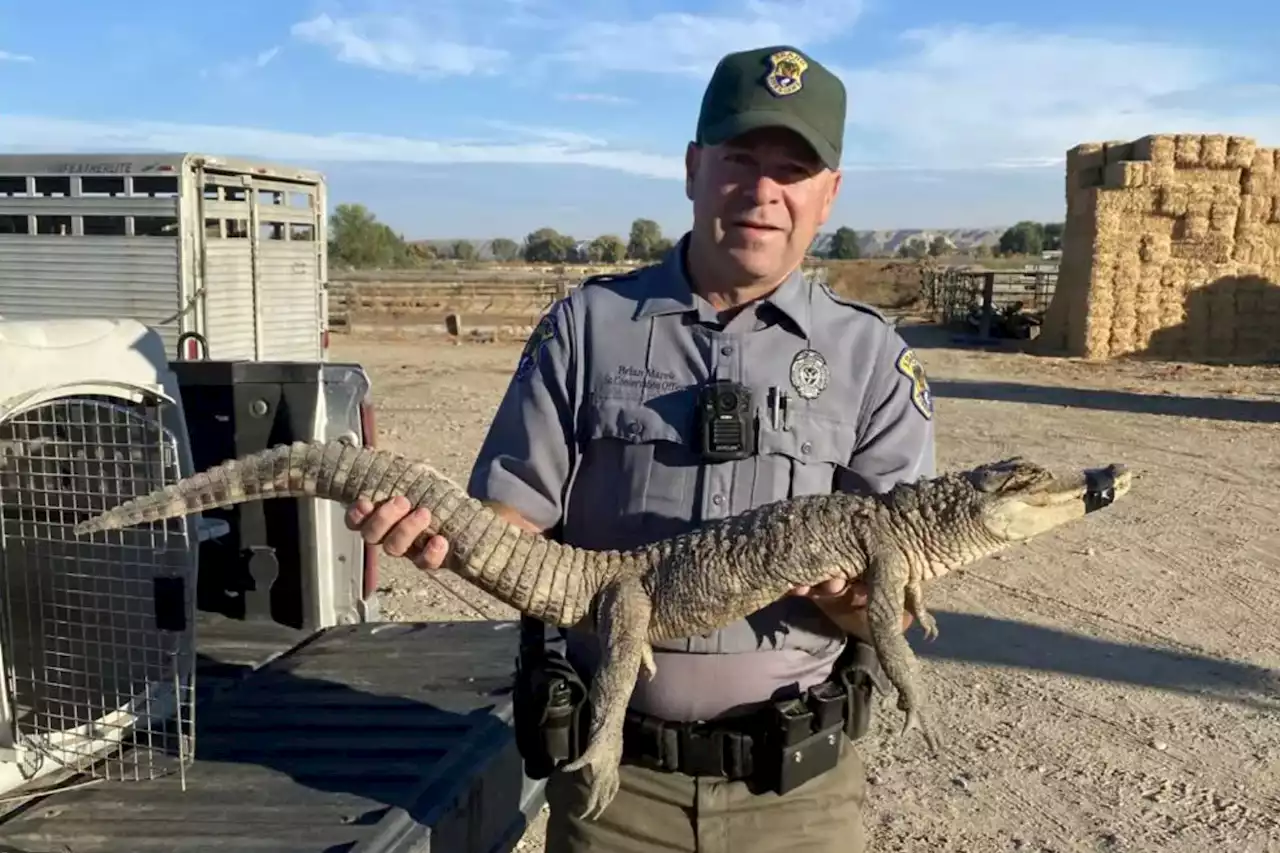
(484, 118)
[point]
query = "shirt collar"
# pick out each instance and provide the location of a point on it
(669, 292)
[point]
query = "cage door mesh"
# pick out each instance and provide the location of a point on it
(98, 630)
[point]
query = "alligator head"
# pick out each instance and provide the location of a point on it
(1018, 499)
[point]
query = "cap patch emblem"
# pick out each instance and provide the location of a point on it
(786, 73)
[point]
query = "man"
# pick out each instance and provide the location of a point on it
(603, 440)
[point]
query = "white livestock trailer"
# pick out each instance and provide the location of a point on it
(215, 250)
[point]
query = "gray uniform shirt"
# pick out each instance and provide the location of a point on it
(597, 435)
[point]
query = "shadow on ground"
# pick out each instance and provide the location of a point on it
(992, 641)
(1211, 408)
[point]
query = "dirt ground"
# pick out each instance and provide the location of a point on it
(1114, 687)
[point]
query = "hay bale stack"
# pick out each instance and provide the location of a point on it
(1171, 246)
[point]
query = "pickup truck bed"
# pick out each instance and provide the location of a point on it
(374, 738)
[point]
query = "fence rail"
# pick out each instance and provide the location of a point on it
(372, 301)
(954, 295)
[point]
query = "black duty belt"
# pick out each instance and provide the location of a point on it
(779, 746)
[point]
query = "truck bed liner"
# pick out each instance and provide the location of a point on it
(376, 738)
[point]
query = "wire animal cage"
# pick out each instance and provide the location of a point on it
(96, 633)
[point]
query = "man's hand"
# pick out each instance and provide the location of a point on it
(845, 604)
(393, 525)
(396, 527)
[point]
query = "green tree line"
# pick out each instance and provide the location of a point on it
(358, 240)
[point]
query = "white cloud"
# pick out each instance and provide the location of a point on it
(999, 96)
(398, 44)
(6, 56)
(962, 97)
(531, 145)
(238, 68)
(690, 44)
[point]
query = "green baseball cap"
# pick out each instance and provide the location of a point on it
(774, 87)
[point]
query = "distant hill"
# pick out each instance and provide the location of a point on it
(887, 242)
(870, 242)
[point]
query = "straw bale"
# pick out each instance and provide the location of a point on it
(1171, 245)
(1241, 151)
(1213, 150)
(1124, 175)
(1187, 149)
(1124, 311)
(1173, 200)
(1117, 151)
(1259, 182)
(1157, 149)
(1258, 210)
(1202, 176)
(1086, 162)
(1155, 247)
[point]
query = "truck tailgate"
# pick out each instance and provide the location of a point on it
(376, 738)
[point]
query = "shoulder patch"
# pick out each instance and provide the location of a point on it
(853, 303)
(908, 364)
(547, 330)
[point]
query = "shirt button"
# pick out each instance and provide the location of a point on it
(726, 350)
(634, 428)
(717, 499)
(806, 448)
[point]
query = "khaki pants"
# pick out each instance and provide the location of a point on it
(657, 812)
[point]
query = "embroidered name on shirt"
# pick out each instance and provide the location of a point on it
(636, 379)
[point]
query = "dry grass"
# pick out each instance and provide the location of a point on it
(1171, 249)
(890, 284)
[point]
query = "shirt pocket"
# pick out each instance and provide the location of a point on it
(637, 477)
(802, 460)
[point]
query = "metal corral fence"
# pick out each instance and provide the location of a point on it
(978, 296)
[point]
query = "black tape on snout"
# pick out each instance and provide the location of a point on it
(1100, 489)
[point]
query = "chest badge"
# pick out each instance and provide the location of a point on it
(809, 373)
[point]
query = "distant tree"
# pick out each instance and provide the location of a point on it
(358, 239)
(1023, 238)
(646, 237)
(661, 247)
(844, 245)
(606, 249)
(463, 250)
(939, 246)
(504, 249)
(913, 247)
(1053, 235)
(548, 246)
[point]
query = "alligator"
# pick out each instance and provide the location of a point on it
(689, 584)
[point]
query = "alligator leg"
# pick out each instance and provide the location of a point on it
(622, 626)
(915, 606)
(887, 578)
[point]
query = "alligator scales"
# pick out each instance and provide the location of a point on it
(689, 584)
